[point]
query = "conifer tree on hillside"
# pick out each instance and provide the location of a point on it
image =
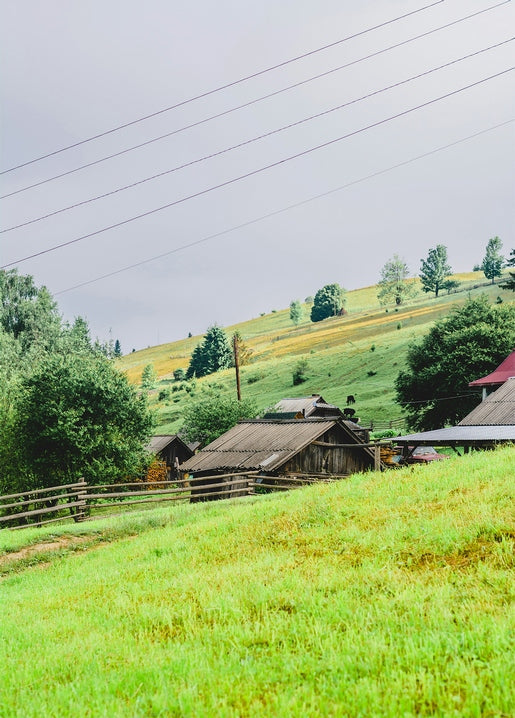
(212, 354)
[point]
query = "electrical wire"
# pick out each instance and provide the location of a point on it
(269, 215)
(252, 140)
(257, 171)
(225, 87)
(250, 102)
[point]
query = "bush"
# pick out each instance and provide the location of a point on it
(300, 372)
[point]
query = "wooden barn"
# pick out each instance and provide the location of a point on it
(171, 449)
(315, 447)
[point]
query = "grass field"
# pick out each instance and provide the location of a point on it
(382, 595)
(359, 354)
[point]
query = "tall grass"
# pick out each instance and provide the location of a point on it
(383, 595)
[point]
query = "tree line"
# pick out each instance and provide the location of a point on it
(396, 286)
(65, 410)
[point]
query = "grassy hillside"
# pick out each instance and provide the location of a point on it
(381, 595)
(360, 354)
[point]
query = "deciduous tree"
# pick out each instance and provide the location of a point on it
(435, 269)
(493, 260)
(76, 415)
(328, 302)
(466, 345)
(208, 419)
(393, 286)
(296, 311)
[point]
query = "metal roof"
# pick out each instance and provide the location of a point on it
(304, 405)
(504, 371)
(459, 436)
(497, 409)
(261, 443)
(160, 441)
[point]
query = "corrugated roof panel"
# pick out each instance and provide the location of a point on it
(248, 444)
(497, 408)
(455, 434)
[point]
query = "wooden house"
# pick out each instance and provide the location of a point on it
(172, 450)
(314, 447)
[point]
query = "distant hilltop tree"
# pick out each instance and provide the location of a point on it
(393, 286)
(329, 302)
(493, 260)
(435, 269)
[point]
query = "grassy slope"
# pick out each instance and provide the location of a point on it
(338, 351)
(382, 595)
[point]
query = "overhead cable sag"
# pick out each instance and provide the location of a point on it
(233, 83)
(257, 171)
(250, 141)
(269, 215)
(247, 104)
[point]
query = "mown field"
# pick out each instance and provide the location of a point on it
(381, 595)
(359, 354)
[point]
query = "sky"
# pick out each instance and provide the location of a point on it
(370, 162)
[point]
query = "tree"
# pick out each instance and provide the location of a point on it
(393, 286)
(328, 302)
(212, 354)
(493, 261)
(300, 370)
(208, 419)
(148, 377)
(117, 349)
(510, 283)
(296, 312)
(244, 353)
(466, 345)
(435, 269)
(76, 415)
(28, 313)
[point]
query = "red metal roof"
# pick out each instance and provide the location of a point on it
(504, 371)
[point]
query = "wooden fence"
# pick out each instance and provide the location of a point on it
(81, 501)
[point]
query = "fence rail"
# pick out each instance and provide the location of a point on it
(80, 501)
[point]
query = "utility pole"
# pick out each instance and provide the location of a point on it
(236, 365)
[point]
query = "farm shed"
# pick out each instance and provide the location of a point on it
(491, 422)
(315, 447)
(302, 408)
(171, 449)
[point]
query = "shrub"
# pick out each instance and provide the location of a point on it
(300, 372)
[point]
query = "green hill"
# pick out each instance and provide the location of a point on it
(380, 595)
(360, 353)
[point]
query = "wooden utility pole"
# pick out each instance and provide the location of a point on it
(236, 365)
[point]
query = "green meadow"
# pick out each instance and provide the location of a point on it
(360, 353)
(385, 594)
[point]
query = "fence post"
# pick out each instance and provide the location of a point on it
(377, 458)
(81, 500)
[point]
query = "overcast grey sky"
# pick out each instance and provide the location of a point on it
(71, 70)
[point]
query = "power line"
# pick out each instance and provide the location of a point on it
(250, 102)
(224, 87)
(281, 211)
(252, 140)
(256, 171)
